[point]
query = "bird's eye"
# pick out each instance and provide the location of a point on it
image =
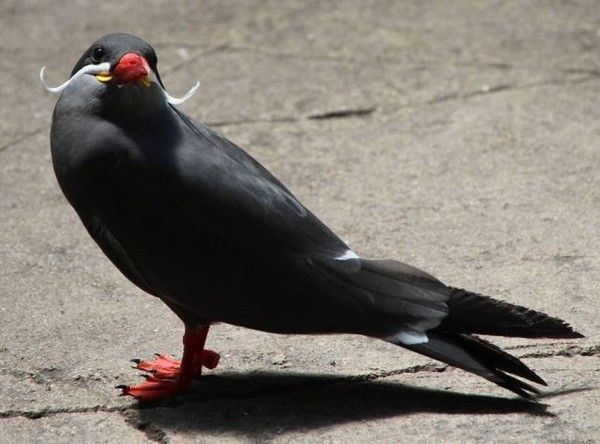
(98, 53)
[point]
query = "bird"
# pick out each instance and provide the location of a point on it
(194, 220)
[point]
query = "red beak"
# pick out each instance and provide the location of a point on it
(131, 68)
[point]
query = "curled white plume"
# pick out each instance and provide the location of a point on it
(105, 67)
(180, 100)
(88, 69)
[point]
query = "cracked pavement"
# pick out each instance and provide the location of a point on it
(462, 140)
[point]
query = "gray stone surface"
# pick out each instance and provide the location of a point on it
(98, 427)
(461, 138)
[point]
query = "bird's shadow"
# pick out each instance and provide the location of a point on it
(262, 404)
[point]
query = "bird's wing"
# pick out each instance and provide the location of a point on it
(112, 248)
(258, 207)
(413, 300)
(246, 202)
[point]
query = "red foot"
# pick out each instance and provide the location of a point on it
(170, 376)
(154, 389)
(166, 367)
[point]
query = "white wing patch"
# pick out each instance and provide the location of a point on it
(408, 337)
(349, 254)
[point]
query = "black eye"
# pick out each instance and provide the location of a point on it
(98, 53)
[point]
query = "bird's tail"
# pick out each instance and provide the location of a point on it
(480, 357)
(445, 320)
(454, 342)
(442, 322)
(473, 313)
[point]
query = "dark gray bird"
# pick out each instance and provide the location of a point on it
(192, 219)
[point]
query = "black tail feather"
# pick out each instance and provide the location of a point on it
(480, 357)
(494, 357)
(516, 386)
(474, 313)
(450, 318)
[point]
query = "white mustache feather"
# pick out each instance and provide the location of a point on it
(179, 100)
(96, 69)
(87, 69)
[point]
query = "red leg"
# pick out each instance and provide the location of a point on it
(169, 376)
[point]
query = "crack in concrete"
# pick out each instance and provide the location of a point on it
(50, 411)
(341, 114)
(47, 375)
(267, 390)
(589, 71)
(335, 114)
(507, 87)
(218, 123)
(569, 352)
(362, 112)
(130, 412)
(469, 94)
(430, 367)
(535, 344)
(20, 139)
(152, 432)
(16, 373)
(495, 64)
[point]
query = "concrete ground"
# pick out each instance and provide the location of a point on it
(459, 137)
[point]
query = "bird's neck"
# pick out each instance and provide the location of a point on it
(133, 102)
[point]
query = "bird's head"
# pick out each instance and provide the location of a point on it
(121, 71)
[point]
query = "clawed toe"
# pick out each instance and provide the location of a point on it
(210, 359)
(162, 366)
(167, 376)
(166, 367)
(154, 389)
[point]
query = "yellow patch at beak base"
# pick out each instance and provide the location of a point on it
(104, 76)
(146, 81)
